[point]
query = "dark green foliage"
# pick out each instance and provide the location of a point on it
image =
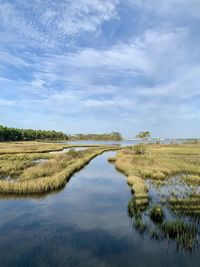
(111, 136)
(183, 233)
(14, 134)
(143, 135)
(73, 153)
(139, 225)
(157, 214)
(140, 149)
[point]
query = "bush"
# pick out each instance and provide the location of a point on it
(157, 214)
(73, 153)
(140, 149)
(112, 159)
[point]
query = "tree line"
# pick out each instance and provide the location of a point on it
(97, 137)
(15, 134)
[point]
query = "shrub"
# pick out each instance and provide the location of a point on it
(112, 159)
(157, 214)
(140, 149)
(73, 153)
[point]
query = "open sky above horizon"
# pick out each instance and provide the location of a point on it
(95, 66)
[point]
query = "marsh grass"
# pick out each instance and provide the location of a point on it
(15, 158)
(184, 234)
(52, 166)
(177, 169)
(29, 147)
(176, 216)
(14, 164)
(187, 206)
(165, 161)
(138, 186)
(192, 179)
(13, 168)
(46, 177)
(36, 147)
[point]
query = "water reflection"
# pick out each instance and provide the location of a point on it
(85, 224)
(122, 143)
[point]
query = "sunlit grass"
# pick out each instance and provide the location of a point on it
(192, 179)
(35, 147)
(138, 186)
(187, 206)
(161, 162)
(46, 180)
(32, 178)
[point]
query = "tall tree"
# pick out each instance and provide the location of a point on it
(144, 135)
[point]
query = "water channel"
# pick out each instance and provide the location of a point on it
(86, 224)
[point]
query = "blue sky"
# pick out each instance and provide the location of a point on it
(101, 65)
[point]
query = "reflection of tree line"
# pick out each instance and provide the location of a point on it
(152, 221)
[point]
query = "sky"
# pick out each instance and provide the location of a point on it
(97, 66)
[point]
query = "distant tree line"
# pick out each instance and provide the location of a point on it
(97, 137)
(15, 134)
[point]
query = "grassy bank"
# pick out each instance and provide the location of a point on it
(29, 147)
(20, 175)
(35, 147)
(159, 163)
(170, 210)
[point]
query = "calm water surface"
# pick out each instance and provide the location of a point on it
(86, 224)
(120, 143)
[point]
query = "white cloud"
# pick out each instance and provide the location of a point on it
(145, 78)
(180, 8)
(86, 15)
(157, 55)
(5, 102)
(52, 24)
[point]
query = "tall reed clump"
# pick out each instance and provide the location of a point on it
(49, 176)
(184, 234)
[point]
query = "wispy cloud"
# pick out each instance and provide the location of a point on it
(176, 8)
(71, 63)
(5, 102)
(49, 24)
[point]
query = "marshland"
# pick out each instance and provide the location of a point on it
(164, 180)
(99, 133)
(98, 200)
(36, 168)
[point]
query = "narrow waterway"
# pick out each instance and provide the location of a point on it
(86, 224)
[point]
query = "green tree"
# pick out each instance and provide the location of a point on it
(144, 135)
(141, 147)
(14, 134)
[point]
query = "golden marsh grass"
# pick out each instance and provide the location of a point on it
(158, 164)
(40, 178)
